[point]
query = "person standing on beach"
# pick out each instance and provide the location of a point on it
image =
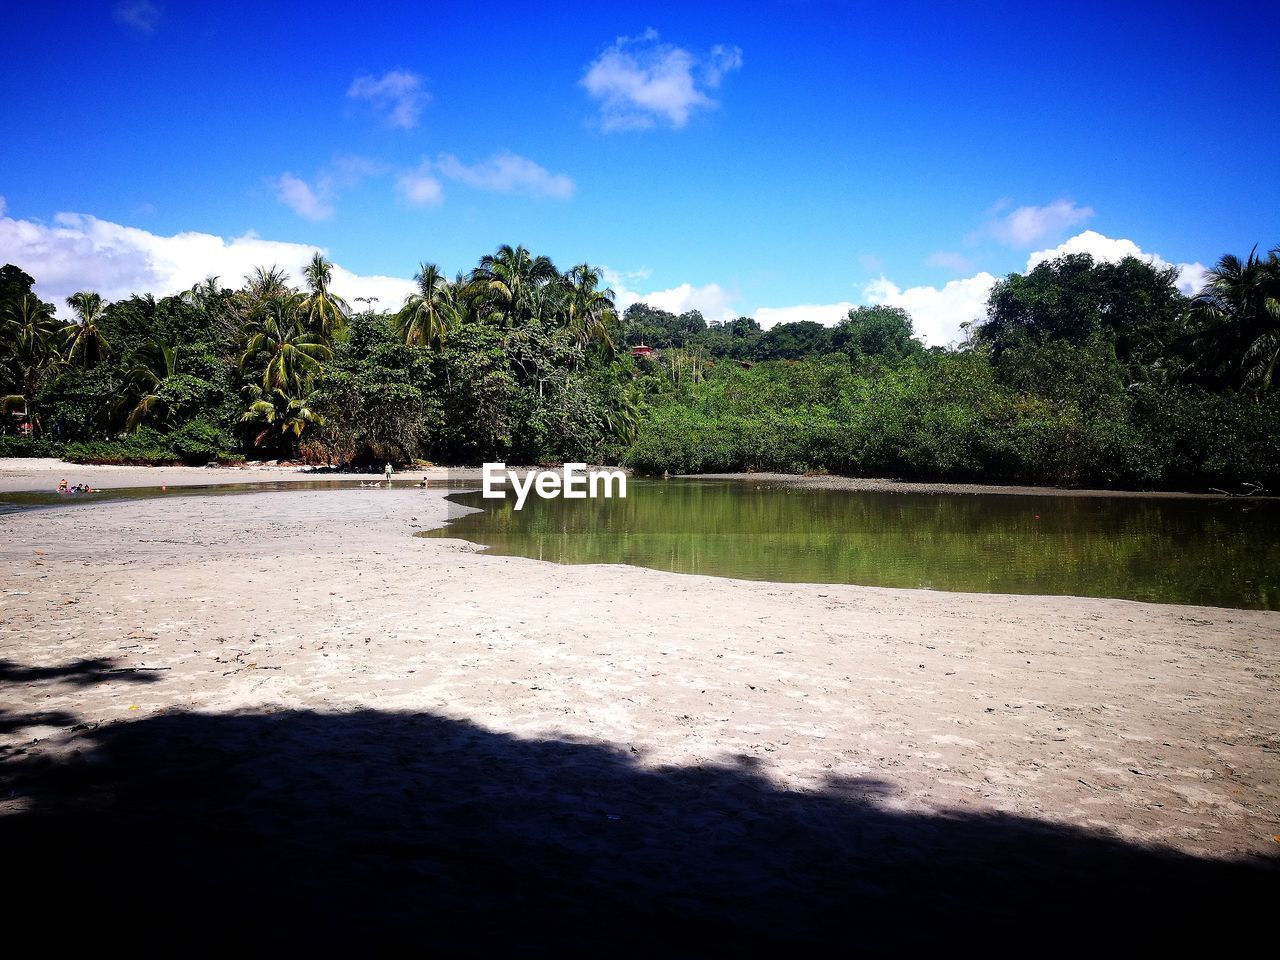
(387, 473)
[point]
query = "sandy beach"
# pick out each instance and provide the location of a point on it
(284, 713)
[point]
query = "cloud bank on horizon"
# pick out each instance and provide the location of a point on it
(938, 313)
(81, 252)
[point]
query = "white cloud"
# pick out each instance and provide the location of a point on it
(640, 81)
(138, 14)
(827, 314)
(947, 260)
(1192, 277)
(621, 281)
(317, 202)
(1028, 225)
(936, 312)
(377, 291)
(81, 252)
(507, 172)
(397, 95)
(296, 194)
(723, 59)
(504, 172)
(712, 300)
(1105, 249)
(420, 187)
(347, 170)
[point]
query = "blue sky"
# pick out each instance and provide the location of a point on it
(764, 154)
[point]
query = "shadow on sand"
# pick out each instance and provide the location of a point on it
(375, 829)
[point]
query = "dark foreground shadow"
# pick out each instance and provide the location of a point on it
(378, 829)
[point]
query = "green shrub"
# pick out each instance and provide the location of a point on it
(195, 443)
(13, 446)
(199, 442)
(143, 448)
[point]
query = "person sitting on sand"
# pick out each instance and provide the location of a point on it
(423, 484)
(62, 485)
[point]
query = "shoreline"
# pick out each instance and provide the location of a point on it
(885, 485)
(41, 475)
(38, 474)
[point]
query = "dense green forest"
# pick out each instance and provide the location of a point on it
(1081, 373)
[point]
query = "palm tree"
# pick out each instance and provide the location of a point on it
(623, 419)
(86, 345)
(28, 332)
(265, 283)
(218, 304)
(1239, 325)
(289, 354)
(153, 364)
(511, 278)
(589, 312)
(1263, 356)
(203, 292)
(324, 311)
(429, 313)
(280, 412)
(468, 298)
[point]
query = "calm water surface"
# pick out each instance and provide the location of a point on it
(1217, 553)
(1213, 552)
(27, 500)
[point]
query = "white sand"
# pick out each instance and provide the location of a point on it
(1151, 723)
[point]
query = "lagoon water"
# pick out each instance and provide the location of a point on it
(1222, 553)
(1192, 551)
(32, 499)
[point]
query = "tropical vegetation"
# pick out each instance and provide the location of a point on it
(1081, 372)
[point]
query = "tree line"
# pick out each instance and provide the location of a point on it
(1081, 372)
(513, 360)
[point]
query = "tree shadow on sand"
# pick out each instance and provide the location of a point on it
(377, 829)
(80, 673)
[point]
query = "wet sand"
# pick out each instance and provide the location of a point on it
(285, 710)
(43, 473)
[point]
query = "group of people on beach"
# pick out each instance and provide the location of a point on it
(387, 473)
(78, 488)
